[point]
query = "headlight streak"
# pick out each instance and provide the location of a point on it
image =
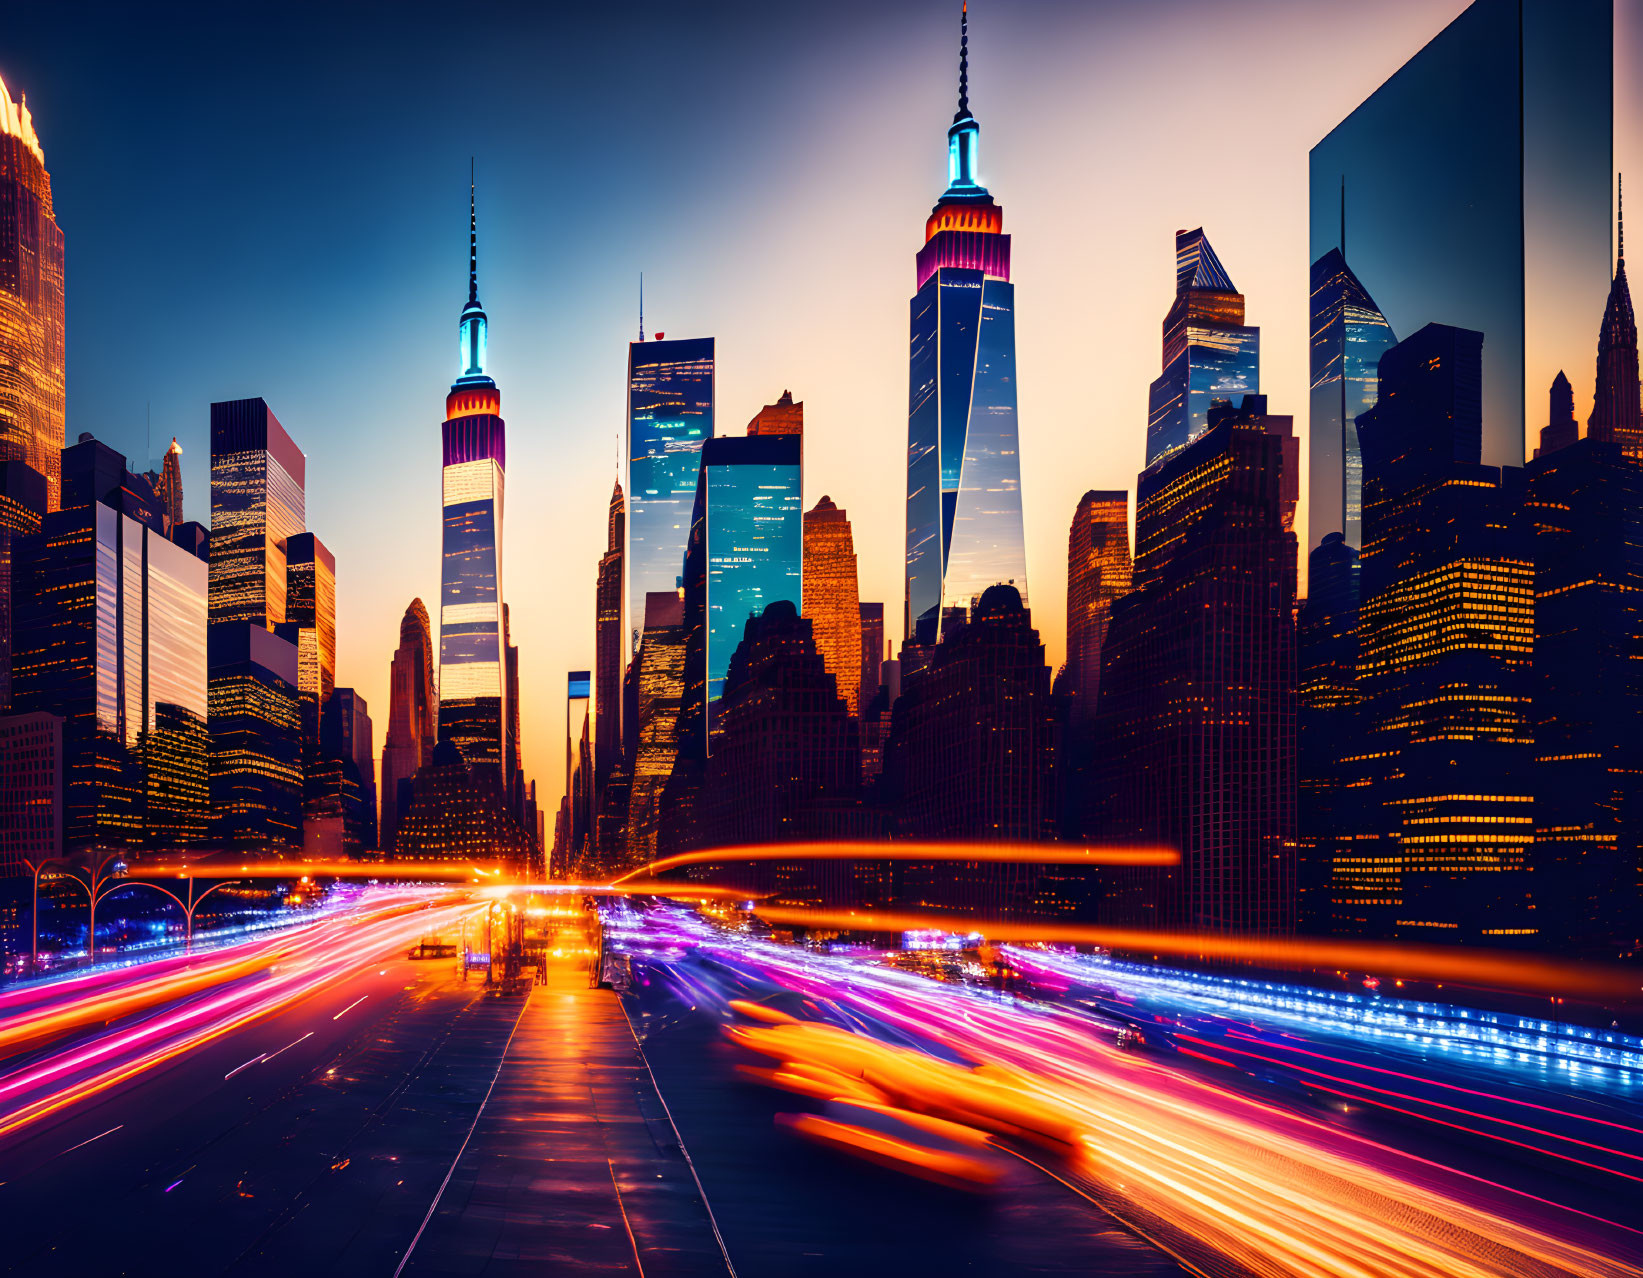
(1203, 1167)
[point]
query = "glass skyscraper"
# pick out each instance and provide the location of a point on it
(473, 709)
(750, 505)
(1349, 336)
(670, 415)
(1209, 352)
(1473, 188)
(257, 501)
(964, 527)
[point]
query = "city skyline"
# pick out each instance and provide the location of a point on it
(566, 412)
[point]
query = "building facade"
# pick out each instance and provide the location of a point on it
(31, 302)
(832, 601)
(1098, 574)
(1617, 414)
(413, 715)
(1209, 352)
(964, 523)
(1196, 718)
(1504, 230)
(22, 505)
(311, 615)
(610, 652)
(670, 415)
(473, 685)
(1349, 336)
(31, 791)
(257, 502)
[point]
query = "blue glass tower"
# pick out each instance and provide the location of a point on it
(670, 414)
(1209, 353)
(964, 527)
(1349, 336)
(473, 691)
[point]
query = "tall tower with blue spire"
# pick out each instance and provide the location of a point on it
(964, 524)
(473, 684)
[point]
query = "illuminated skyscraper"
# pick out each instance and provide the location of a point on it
(610, 652)
(1500, 225)
(111, 635)
(1446, 631)
(257, 502)
(170, 487)
(1349, 336)
(31, 302)
(659, 694)
(311, 614)
(831, 600)
(1196, 718)
(473, 693)
(964, 529)
(746, 551)
(576, 809)
(1098, 573)
(256, 739)
(413, 707)
(1617, 412)
(1209, 353)
(670, 415)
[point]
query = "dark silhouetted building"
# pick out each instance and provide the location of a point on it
(1349, 336)
(459, 814)
(413, 707)
(1586, 506)
(1196, 721)
(347, 736)
(1445, 635)
(1560, 429)
(22, 504)
(610, 652)
(1209, 353)
(872, 648)
(832, 601)
(670, 417)
(964, 527)
(31, 302)
(1617, 412)
(1502, 227)
(31, 791)
(972, 756)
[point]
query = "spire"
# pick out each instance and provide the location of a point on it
(473, 239)
(641, 306)
(1620, 223)
(963, 61)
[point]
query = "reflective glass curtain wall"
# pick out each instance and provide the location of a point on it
(1474, 188)
(670, 415)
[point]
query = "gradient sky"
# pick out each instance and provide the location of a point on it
(271, 200)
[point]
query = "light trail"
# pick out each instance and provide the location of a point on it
(1492, 969)
(1214, 1174)
(897, 850)
(298, 967)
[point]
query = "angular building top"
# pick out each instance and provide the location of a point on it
(1617, 414)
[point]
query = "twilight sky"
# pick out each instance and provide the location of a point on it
(271, 200)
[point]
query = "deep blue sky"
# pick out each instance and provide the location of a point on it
(272, 200)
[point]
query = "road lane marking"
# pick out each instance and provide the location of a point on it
(290, 1045)
(247, 1065)
(98, 1136)
(350, 1007)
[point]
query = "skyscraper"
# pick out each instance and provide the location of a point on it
(964, 526)
(576, 808)
(1446, 630)
(670, 415)
(610, 652)
(1209, 353)
(1196, 718)
(872, 648)
(659, 694)
(1098, 573)
(1560, 429)
(1501, 224)
(22, 504)
(746, 551)
(110, 630)
(31, 302)
(831, 600)
(170, 487)
(413, 707)
(257, 502)
(311, 614)
(1617, 414)
(1349, 336)
(473, 709)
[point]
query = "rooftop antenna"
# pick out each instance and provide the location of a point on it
(473, 239)
(964, 60)
(1620, 220)
(641, 306)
